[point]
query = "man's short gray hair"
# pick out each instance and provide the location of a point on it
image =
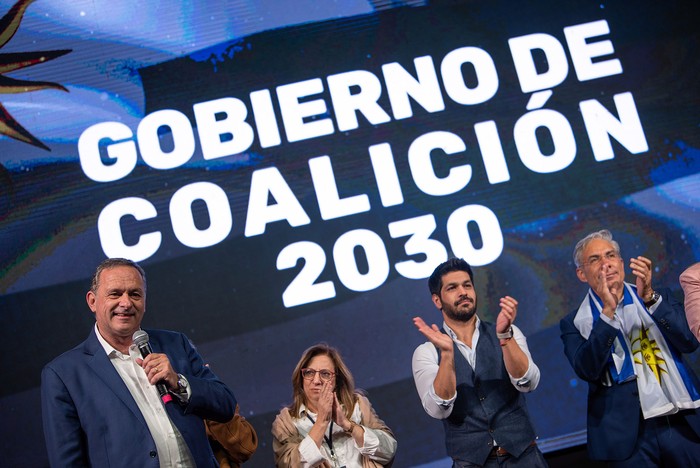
(112, 263)
(581, 245)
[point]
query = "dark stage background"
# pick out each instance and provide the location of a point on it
(291, 172)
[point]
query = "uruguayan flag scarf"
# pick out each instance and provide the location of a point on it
(640, 351)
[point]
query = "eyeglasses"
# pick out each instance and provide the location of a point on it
(309, 374)
(594, 260)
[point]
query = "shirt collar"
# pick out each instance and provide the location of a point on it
(452, 334)
(303, 409)
(109, 349)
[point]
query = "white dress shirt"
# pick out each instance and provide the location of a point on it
(618, 320)
(171, 446)
(425, 367)
(377, 444)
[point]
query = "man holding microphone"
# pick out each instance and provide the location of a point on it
(108, 403)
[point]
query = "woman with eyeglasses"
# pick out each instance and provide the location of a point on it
(329, 424)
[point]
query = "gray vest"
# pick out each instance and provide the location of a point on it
(487, 407)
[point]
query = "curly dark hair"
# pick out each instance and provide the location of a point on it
(453, 264)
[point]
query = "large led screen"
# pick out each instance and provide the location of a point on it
(292, 172)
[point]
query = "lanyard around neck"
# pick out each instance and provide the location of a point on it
(327, 438)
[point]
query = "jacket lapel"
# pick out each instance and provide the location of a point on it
(99, 362)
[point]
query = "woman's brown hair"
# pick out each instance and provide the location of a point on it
(344, 382)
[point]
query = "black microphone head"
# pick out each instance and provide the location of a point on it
(140, 338)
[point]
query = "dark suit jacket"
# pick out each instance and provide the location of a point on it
(91, 419)
(614, 412)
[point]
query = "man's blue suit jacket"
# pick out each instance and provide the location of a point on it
(614, 412)
(91, 419)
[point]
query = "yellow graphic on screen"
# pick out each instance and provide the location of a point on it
(650, 352)
(15, 61)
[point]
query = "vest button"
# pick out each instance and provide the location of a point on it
(153, 454)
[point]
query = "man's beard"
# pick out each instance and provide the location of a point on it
(460, 315)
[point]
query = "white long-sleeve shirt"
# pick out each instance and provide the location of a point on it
(379, 445)
(171, 446)
(425, 368)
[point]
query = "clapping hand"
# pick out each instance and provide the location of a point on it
(325, 403)
(641, 268)
(434, 335)
(339, 414)
(509, 309)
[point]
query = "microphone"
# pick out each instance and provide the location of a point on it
(140, 339)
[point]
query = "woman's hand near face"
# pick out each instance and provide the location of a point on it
(339, 415)
(324, 413)
(356, 431)
(325, 402)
